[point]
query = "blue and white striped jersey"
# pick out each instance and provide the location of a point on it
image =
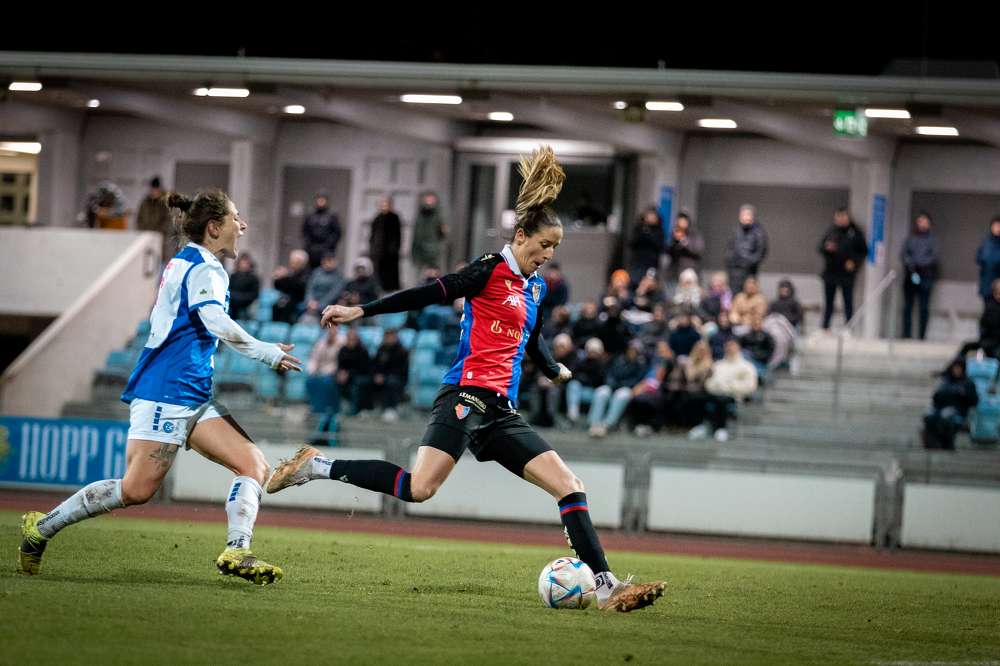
(175, 366)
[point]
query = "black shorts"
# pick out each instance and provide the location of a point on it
(484, 422)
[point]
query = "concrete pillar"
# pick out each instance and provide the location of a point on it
(59, 198)
(659, 179)
(250, 187)
(869, 207)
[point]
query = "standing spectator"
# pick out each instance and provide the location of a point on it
(954, 397)
(557, 292)
(718, 297)
(324, 288)
(321, 230)
(291, 282)
(921, 256)
(587, 324)
(758, 346)
(624, 373)
(843, 248)
(321, 383)
(988, 258)
(391, 372)
(747, 248)
(354, 373)
(685, 247)
(747, 303)
(361, 289)
(244, 287)
(722, 335)
(646, 243)
(684, 336)
(383, 246)
(989, 327)
(429, 234)
(787, 305)
(587, 377)
(733, 379)
(154, 215)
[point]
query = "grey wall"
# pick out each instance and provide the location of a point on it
(960, 220)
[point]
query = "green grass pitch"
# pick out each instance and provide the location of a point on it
(121, 590)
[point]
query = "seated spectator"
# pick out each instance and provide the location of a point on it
(587, 377)
(687, 297)
(732, 379)
(747, 303)
(787, 305)
(686, 386)
(624, 373)
(758, 346)
(558, 322)
(613, 332)
(321, 384)
(391, 370)
(647, 294)
(323, 289)
(620, 289)
(717, 298)
(363, 288)
(784, 336)
(954, 397)
(291, 282)
(244, 287)
(684, 336)
(654, 330)
(557, 292)
(565, 352)
(587, 324)
(354, 373)
(723, 334)
(650, 398)
(989, 327)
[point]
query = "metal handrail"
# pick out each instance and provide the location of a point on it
(883, 284)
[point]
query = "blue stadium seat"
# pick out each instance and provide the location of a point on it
(267, 298)
(371, 338)
(305, 335)
(249, 325)
(267, 383)
(421, 357)
(428, 340)
(984, 422)
(295, 387)
(392, 320)
(406, 337)
(142, 330)
(981, 369)
(423, 396)
(444, 356)
(436, 317)
(429, 375)
(274, 331)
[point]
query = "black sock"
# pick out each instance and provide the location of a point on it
(576, 519)
(377, 475)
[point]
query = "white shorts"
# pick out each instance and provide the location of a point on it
(170, 424)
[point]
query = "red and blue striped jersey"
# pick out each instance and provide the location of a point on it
(501, 321)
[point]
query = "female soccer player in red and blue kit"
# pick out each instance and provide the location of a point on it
(476, 406)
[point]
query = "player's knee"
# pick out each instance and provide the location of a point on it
(421, 492)
(255, 466)
(572, 484)
(134, 493)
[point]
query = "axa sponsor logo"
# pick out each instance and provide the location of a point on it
(513, 300)
(505, 331)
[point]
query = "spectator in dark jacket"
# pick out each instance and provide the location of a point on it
(558, 322)
(624, 373)
(989, 327)
(613, 332)
(747, 248)
(429, 234)
(354, 373)
(685, 247)
(758, 346)
(363, 288)
(321, 230)
(557, 289)
(391, 371)
(291, 282)
(988, 258)
(921, 256)
(718, 297)
(787, 305)
(655, 330)
(651, 398)
(646, 244)
(723, 335)
(954, 397)
(684, 336)
(324, 287)
(154, 215)
(587, 324)
(843, 248)
(587, 377)
(383, 245)
(244, 287)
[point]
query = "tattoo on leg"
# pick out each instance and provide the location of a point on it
(164, 456)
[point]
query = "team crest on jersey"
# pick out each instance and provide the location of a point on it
(513, 301)
(536, 292)
(461, 411)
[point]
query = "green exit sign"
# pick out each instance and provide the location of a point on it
(849, 122)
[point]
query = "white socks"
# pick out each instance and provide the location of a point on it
(97, 498)
(606, 583)
(320, 468)
(241, 508)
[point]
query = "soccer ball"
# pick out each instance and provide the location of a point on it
(567, 583)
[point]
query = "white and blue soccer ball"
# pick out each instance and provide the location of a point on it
(567, 583)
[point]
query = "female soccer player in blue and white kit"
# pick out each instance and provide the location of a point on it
(170, 396)
(476, 406)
